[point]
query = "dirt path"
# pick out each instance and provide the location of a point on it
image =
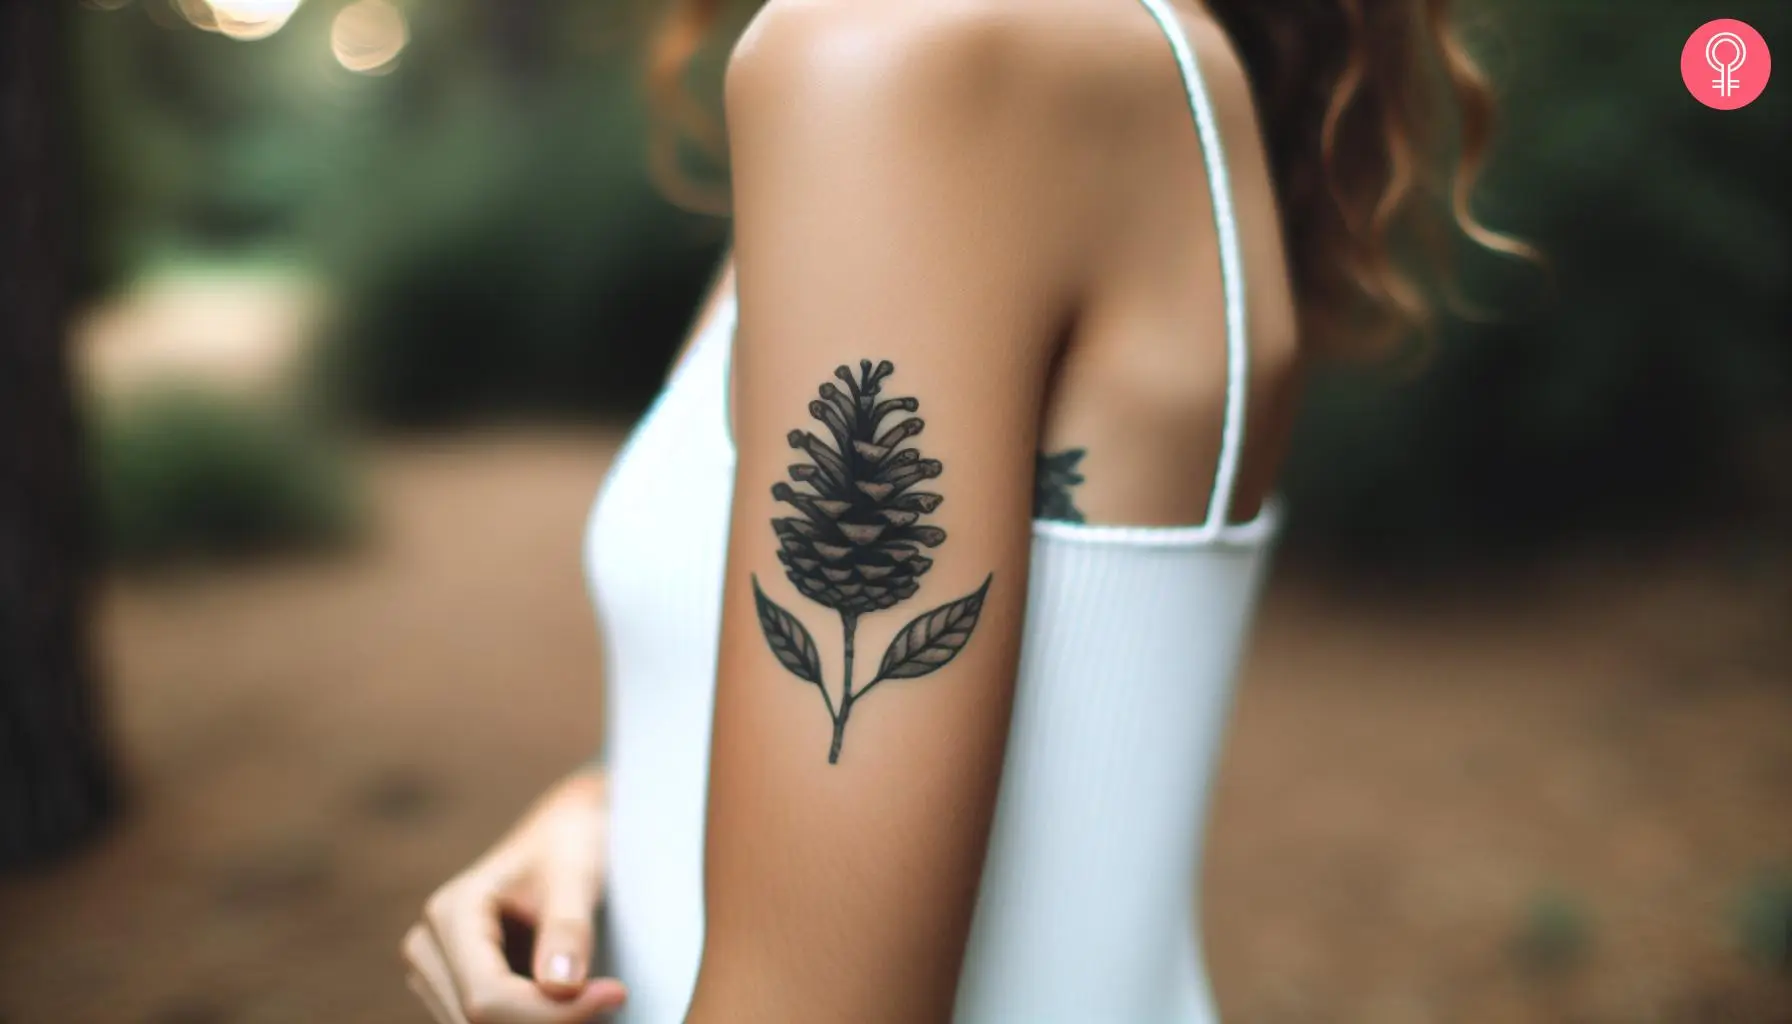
(314, 747)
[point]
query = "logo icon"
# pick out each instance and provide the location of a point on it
(1725, 64)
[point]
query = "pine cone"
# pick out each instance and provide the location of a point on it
(856, 546)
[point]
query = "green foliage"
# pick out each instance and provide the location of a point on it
(183, 474)
(533, 269)
(1619, 390)
(1764, 920)
(198, 142)
(1554, 934)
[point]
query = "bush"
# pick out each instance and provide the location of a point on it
(1625, 389)
(184, 475)
(531, 268)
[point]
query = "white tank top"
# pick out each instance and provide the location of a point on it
(1131, 643)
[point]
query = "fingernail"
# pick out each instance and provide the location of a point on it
(560, 967)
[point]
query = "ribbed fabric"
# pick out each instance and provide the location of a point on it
(654, 554)
(1130, 648)
(1087, 905)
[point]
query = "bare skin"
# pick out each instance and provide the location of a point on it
(1005, 202)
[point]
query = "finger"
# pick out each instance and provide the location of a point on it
(439, 1011)
(431, 1005)
(429, 979)
(466, 931)
(467, 939)
(563, 936)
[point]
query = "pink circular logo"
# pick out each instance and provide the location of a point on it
(1725, 64)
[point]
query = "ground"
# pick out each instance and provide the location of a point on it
(1541, 802)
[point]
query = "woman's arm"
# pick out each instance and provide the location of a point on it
(891, 274)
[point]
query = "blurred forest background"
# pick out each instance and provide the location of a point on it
(368, 290)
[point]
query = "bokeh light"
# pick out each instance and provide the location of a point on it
(368, 36)
(198, 14)
(252, 19)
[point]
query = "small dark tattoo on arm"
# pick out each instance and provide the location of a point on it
(1053, 478)
(855, 546)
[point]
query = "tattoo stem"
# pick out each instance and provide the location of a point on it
(828, 701)
(849, 622)
(863, 690)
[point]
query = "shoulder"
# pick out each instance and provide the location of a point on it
(871, 59)
(1069, 71)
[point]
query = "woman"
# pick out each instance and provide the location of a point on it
(917, 725)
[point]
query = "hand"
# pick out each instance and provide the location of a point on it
(548, 872)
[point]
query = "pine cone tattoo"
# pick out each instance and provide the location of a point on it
(856, 546)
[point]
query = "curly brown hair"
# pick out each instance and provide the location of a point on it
(1377, 121)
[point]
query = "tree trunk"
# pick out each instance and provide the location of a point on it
(56, 787)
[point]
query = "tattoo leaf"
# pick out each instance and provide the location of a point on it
(934, 638)
(790, 642)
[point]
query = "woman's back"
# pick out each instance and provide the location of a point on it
(1174, 378)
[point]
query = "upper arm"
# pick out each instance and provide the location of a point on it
(888, 279)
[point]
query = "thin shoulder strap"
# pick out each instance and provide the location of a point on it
(1231, 263)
